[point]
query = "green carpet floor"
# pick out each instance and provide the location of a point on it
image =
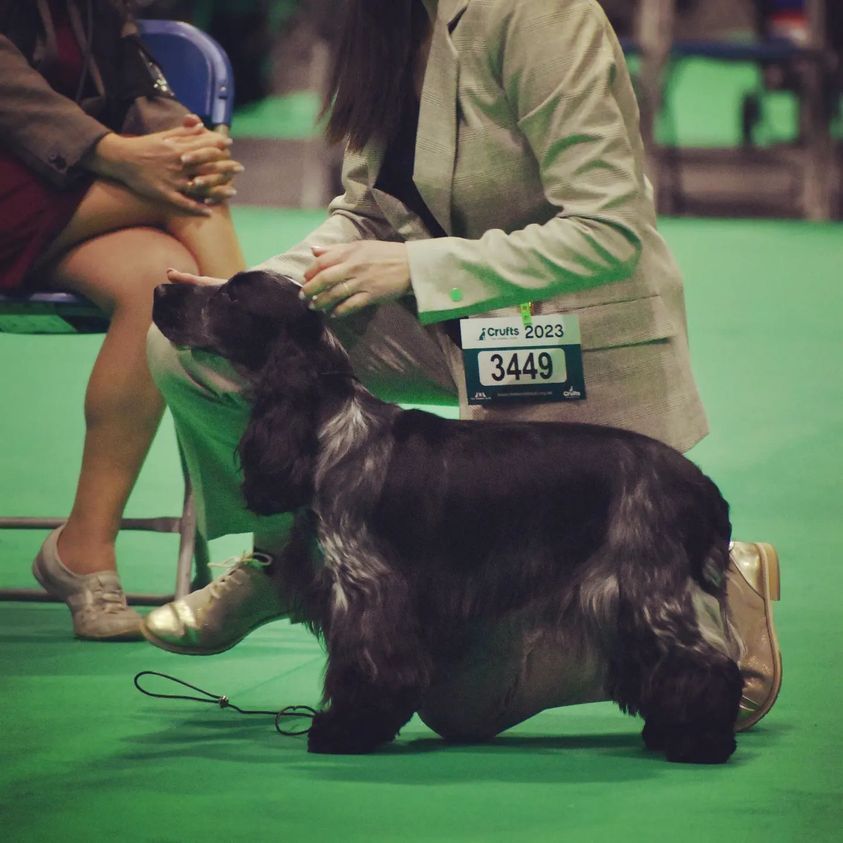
(84, 757)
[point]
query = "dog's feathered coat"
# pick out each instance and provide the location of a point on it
(427, 525)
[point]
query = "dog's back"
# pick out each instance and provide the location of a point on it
(522, 507)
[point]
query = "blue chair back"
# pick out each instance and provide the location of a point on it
(200, 74)
(195, 65)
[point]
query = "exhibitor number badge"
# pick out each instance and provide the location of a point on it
(506, 360)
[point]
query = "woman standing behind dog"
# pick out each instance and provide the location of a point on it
(105, 182)
(493, 166)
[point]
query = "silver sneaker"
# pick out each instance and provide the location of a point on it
(96, 601)
(215, 618)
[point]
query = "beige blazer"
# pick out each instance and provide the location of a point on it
(529, 155)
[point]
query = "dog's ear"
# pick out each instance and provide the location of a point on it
(278, 450)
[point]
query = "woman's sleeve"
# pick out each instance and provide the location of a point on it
(48, 131)
(352, 216)
(556, 64)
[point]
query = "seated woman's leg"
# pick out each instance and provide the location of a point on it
(115, 250)
(117, 271)
(109, 206)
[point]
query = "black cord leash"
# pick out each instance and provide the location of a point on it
(224, 702)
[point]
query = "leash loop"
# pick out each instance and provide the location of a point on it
(221, 700)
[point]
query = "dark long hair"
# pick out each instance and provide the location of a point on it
(372, 74)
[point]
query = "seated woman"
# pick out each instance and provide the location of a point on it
(105, 182)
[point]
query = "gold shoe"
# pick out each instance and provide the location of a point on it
(215, 618)
(753, 583)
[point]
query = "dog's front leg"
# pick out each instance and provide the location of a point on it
(361, 716)
(377, 670)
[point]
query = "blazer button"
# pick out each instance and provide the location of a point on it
(58, 161)
(456, 294)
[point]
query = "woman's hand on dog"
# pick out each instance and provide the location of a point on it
(346, 278)
(176, 276)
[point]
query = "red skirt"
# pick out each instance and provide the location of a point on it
(32, 214)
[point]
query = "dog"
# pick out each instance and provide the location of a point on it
(427, 526)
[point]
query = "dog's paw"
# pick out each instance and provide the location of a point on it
(684, 744)
(357, 735)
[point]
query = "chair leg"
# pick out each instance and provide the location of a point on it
(187, 542)
(201, 563)
(193, 549)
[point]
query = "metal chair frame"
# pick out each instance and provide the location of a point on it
(658, 50)
(185, 54)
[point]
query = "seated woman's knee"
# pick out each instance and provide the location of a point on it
(151, 255)
(160, 252)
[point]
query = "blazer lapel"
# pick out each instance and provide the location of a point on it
(436, 142)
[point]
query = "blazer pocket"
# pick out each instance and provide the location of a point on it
(620, 323)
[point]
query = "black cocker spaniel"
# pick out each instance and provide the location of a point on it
(428, 525)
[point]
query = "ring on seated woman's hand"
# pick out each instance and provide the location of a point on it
(345, 288)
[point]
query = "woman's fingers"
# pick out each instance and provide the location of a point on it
(225, 169)
(320, 288)
(211, 177)
(203, 156)
(325, 257)
(351, 305)
(185, 131)
(178, 277)
(210, 190)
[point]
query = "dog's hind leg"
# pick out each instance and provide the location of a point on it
(685, 686)
(690, 706)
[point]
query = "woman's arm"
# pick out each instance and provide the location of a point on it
(48, 131)
(354, 216)
(557, 67)
(59, 141)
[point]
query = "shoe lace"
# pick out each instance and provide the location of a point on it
(107, 598)
(233, 565)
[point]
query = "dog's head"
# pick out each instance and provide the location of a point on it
(241, 320)
(257, 321)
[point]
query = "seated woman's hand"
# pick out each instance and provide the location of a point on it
(210, 170)
(153, 165)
